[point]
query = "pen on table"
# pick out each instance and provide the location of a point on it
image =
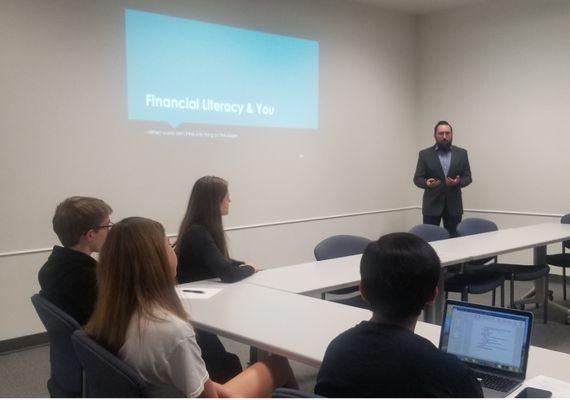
(193, 291)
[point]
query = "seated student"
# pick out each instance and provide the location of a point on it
(201, 246)
(383, 357)
(202, 254)
(67, 278)
(140, 317)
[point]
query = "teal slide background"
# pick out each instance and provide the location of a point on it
(201, 63)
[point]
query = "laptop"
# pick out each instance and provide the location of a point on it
(494, 342)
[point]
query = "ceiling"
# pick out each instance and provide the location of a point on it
(420, 7)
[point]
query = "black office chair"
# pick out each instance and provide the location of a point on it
(456, 281)
(105, 374)
(66, 379)
(430, 233)
(477, 277)
(562, 260)
(286, 393)
(342, 246)
(511, 272)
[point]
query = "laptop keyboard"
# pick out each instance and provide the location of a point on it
(495, 382)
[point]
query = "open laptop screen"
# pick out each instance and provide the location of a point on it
(487, 337)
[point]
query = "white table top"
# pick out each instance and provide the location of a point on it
(300, 327)
(327, 275)
(504, 240)
(324, 276)
(316, 276)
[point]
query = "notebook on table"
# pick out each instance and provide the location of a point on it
(494, 342)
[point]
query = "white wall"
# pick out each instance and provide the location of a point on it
(500, 72)
(65, 132)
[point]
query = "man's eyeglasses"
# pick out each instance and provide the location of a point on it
(108, 226)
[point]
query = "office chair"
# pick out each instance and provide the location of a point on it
(430, 233)
(511, 272)
(456, 281)
(342, 246)
(66, 379)
(477, 277)
(562, 260)
(105, 374)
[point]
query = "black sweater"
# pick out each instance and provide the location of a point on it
(381, 360)
(68, 280)
(200, 258)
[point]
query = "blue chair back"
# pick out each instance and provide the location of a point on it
(473, 226)
(286, 393)
(340, 246)
(105, 374)
(430, 233)
(66, 379)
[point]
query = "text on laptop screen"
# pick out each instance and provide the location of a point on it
(486, 338)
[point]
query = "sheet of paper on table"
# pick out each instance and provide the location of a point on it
(197, 293)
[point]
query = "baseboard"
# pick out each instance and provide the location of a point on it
(22, 342)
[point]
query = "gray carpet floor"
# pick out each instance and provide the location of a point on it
(24, 373)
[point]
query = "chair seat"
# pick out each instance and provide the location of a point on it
(476, 283)
(522, 272)
(560, 260)
(356, 301)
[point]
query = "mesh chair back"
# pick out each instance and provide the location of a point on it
(566, 220)
(105, 374)
(340, 246)
(66, 374)
(430, 233)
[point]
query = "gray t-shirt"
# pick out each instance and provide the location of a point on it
(165, 354)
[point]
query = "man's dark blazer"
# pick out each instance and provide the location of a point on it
(429, 166)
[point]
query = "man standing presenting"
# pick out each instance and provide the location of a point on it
(442, 171)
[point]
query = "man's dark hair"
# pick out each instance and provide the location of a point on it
(76, 215)
(442, 123)
(399, 273)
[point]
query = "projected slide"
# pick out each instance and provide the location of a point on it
(185, 71)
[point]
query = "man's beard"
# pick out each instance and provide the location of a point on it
(444, 145)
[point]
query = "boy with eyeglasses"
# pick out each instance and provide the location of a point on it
(68, 278)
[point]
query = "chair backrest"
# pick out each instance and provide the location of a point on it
(66, 372)
(430, 233)
(340, 246)
(566, 220)
(473, 226)
(105, 374)
(286, 393)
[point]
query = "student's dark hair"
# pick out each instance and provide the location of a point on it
(76, 215)
(204, 209)
(399, 273)
(442, 123)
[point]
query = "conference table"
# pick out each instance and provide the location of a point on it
(270, 309)
(301, 327)
(322, 276)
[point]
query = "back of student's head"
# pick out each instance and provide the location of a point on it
(134, 275)
(204, 209)
(399, 274)
(77, 215)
